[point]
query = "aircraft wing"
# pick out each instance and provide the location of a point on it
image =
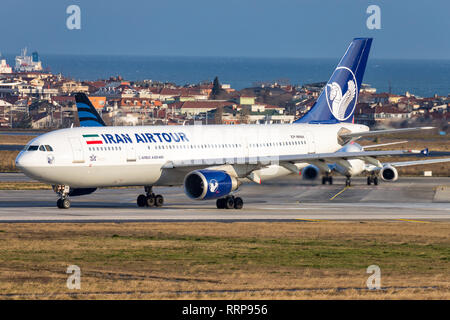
(263, 161)
(417, 162)
(357, 135)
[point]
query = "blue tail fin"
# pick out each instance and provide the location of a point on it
(87, 114)
(338, 99)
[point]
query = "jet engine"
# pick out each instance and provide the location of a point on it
(209, 184)
(389, 173)
(310, 172)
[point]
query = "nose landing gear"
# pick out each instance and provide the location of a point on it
(149, 199)
(63, 193)
(327, 178)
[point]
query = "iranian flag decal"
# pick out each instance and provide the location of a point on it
(92, 139)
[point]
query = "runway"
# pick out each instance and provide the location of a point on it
(408, 200)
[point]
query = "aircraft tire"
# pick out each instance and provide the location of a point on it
(229, 203)
(375, 181)
(141, 200)
(369, 181)
(159, 200)
(65, 203)
(238, 203)
(150, 201)
(220, 203)
(59, 203)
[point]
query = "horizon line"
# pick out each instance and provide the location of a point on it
(211, 56)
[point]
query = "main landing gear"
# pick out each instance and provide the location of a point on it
(230, 202)
(372, 179)
(149, 199)
(63, 193)
(348, 181)
(327, 178)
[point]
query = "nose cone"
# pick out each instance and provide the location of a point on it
(19, 161)
(26, 163)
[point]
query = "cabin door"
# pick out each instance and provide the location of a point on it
(77, 150)
(310, 142)
(131, 152)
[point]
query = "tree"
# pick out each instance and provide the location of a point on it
(217, 93)
(218, 115)
(244, 115)
(216, 87)
(23, 121)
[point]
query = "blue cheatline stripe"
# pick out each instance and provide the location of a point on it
(85, 114)
(89, 123)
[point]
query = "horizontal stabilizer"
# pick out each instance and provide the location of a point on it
(383, 144)
(356, 135)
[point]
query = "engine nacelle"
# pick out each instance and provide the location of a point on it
(208, 184)
(389, 173)
(310, 172)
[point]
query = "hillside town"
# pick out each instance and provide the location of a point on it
(33, 98)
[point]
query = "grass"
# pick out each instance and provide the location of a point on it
(15, 139)
(32, 185)
(7, 161)
(225, 260)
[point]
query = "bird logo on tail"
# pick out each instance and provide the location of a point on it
(339, 100)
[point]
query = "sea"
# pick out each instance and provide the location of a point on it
(420, 77)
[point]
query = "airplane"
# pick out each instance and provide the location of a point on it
(209, 161)
(370, 166)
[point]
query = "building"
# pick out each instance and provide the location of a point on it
(270, 119)
(71, 86)
(4, 67)
(192, 108)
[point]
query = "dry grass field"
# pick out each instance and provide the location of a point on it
(304, 260)
(15, 139)
(7, 163)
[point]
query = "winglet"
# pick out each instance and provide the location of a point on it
(425, 152)
(87, 114)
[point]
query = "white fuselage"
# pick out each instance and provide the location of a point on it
(126, 156)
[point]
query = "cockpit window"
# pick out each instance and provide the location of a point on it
(41, 148)
(48, 148)
(33, 148)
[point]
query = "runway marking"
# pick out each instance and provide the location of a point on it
(411, 220)
(286, 208)
(339, 193)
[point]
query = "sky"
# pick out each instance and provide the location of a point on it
(413, 29)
